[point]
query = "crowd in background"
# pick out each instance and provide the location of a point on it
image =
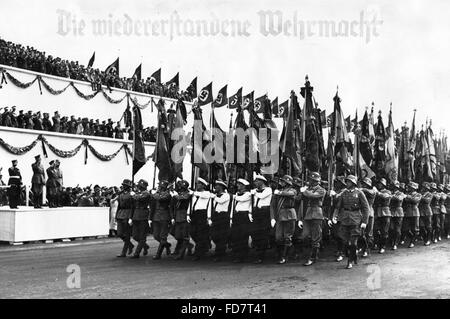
(72, 125)
(29, 58)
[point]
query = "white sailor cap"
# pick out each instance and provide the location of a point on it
(261, 177)
(243, 181)
(202, 181)
(220, 182)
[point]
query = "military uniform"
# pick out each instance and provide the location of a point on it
(220, 222)
(179, 209)
(37, 184)
(370, 194)
(199, 220)
(443, 212)
(383, 217)
(15, 183)
(352, 211)
(282, 210)
(261, 220)
(140, 217)
(426, 215)
(313, 218)
(240, 223)
(412, 214)
(124, 213)
(160, 217)
(397, 213)
(447, 209)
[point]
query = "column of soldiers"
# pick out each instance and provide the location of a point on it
(289, 217)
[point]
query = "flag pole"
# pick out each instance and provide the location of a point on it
(133, 124)
(156, 148)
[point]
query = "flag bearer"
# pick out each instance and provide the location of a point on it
(397, 213)
(181, 199)
(220, 219)
(436, 209)
(140, 217)
(370, 192)
(261, 217)
(352, 211)
(123, 217)
(160, 217)
(240, 219)
(383, 214)
(313, 218)
(426, 214)
(198, 218)
(283, 216)
(412, 214)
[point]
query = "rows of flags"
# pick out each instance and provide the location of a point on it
(366, 148)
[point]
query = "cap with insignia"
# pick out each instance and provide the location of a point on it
(352, 178)
(315, 176)
(288, 179)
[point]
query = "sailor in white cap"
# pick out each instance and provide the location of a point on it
(240, 218)
(261, 216)
(220, 218)
(198, 218)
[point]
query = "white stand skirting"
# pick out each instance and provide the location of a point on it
(28, 224)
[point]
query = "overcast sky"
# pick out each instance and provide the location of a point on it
(405, 61)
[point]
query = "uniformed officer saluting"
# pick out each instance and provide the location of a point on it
(140, 217)
(123, 217)
(283, 216)
(37, 181)
(160, 217)
(198, 218)
(352, 210)
(261, 217)
(15, 183)
(220, 219)
(313, 218)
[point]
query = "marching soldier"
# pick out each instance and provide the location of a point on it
(447, 209)
(442, 201)
(15, 184)
(181, 199)
(313, 218)
(160, 217)
(397, 214)
(352, 210)
(283, 216)
(261, 217)
(220, 219)
(198, 218)
(123, 217)
(412, 214)
(297, 241)
(240, 219)
(370, 193)
(426, 214)
(339, 186)
(140, 217)
(436, 209)
(383, 214)
(37, 181)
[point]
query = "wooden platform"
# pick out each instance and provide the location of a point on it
(29, 224)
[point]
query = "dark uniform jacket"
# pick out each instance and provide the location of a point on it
(160, 207)
(125, 207)
(38, 174)
(424, 205)
(435, 207)
(141, 206)
(51, 180)
(397, 204)
(352, 207)
(282, 206)
(179, 206)
(370, 194)
(442, 201)
(382, 203)
(15, 178)
(412, 202)
(314, 196)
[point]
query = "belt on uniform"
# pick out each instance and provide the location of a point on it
(14, 177)
(315, 206)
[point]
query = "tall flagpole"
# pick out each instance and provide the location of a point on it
(133, 128)
(156, 147)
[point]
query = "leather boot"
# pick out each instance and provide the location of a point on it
(130, 248)
(313, 257)
(137, 252)
(124, 250)
(355, 255)
(429, 235)
(167, 247)
(146, 248)
(281, 259)
(182, 251)
(177, 249)
(260, 257)
(158, 252)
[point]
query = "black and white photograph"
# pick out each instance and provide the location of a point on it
(224, 154)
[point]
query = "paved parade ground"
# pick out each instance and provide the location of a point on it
(40, 271)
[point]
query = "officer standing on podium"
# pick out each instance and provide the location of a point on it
(15, 183)
(37, 181)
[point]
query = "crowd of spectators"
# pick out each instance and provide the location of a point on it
(29, 58)
(72, 125)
